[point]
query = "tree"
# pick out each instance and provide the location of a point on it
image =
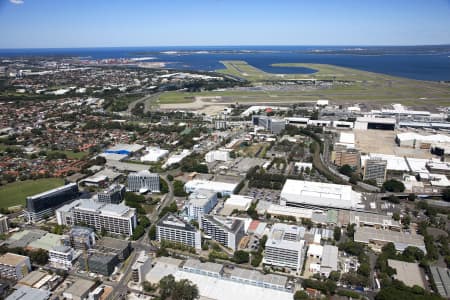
(335, 275)
(346, 170)
(394, 186)
(396, 216)
(152, 233)
(169, 177)
(411, 196)
(446, 194)
(241, 257)
(337, 233)
(301, 295)
(177, 290)
(351, 230)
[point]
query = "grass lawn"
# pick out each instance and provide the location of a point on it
(72, 155)
(360, 86)
(15, 193)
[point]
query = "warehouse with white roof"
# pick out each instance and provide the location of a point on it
(299, 193)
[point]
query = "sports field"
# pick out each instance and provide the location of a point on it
(15, 193)
(355, 86)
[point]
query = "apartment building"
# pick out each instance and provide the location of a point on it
(174, 229)
(284, 247)
(226, 231)
(375, 169)
(113, 218)
(201, 202)
(62, 257)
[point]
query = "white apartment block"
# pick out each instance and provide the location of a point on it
(174, 229)
(114, 218)
(143, 181)
(201, 202)
(226, 231)
(284, 247)
(219, 155)
(62, 257)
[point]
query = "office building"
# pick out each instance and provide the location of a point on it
(3, 224)
(113, 218)
(61, 257)
(223, 188)
(174, 229)
(141, 267)
(201, 202)
(225, 231)
(14, 266)
(82, 238)
(217, 155)
(270, 124)
(344, 156)
(375, 169)
(220, 124)
(103, 264)
(113, 194)
(121, 248)
(284, 247)
(44, 204)
(143, 181)
(307, 194)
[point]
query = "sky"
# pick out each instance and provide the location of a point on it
(123, 23)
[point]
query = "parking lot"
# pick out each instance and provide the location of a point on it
(272, 196)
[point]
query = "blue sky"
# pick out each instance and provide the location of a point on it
(105, 23)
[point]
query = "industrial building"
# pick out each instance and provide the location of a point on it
(379, 221)
(365, 123)
(375, 169)
(299, 193)
(28, 293)
(418, 141)
(174, 229)
(329, 260)
(154, 154)
(79, 290)
(14, 266)
(201, 202)
(284, 247)
(113, 194)
(377, 238)
(441, 277)
(44, 204)
(225, 231)
(143, 181)
(223, 188)
(407, 272)
(61, 257)
(114, 218)
(238, 202)
(141, 267)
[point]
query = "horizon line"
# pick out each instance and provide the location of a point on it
(248, 45)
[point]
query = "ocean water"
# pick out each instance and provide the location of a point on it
(415, 62)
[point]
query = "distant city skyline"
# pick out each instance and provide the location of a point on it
(140, 23)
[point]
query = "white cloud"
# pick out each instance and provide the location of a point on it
(18, 2)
